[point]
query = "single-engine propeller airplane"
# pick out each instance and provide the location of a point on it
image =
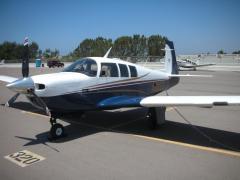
(188, 64)
(101, 83)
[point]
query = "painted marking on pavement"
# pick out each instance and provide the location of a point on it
(24, 158)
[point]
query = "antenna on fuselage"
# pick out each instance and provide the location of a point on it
(107, 53)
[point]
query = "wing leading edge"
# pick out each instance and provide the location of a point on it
(157, 101)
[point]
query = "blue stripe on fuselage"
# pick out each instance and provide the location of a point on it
(120, 101)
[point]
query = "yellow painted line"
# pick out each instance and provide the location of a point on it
(203, 148)
(215, 150)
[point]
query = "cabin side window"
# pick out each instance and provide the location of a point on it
(109, 70)
(123, 70)
(133, 71)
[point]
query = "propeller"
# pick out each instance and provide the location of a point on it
(25, 85)
(19, 85)
(25, 61)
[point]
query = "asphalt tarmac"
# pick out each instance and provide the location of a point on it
(119, 145)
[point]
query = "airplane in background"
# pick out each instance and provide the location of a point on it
(186, 63)
(102, 83)
(2, 62)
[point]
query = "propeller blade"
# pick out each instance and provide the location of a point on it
(25, 61)
(42, 103)
(12, 100)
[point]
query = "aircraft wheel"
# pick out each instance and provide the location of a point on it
(152, 118)
(57, 131)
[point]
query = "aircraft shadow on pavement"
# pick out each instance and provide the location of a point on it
(26, 106)
(132, 121)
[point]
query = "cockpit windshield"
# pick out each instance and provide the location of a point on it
(85, 66)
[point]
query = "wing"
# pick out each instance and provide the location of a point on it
(194, 66)
(157, 101)
(200, 65)
(8, 79)
(188, 75)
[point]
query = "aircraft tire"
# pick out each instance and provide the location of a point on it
(57, 131)
(152, 118)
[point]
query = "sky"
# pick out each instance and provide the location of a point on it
(195, 26)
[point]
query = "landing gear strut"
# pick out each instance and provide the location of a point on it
(156, 116)
(57, 130)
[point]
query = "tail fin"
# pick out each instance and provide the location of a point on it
(171, 66)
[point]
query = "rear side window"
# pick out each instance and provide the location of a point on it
(133, 71)
(123, 70)
(109, 70)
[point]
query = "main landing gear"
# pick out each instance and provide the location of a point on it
(156, 116)
(57, 129)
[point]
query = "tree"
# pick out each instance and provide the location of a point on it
(8, 50)
(123, 46)
(221, 52)
(33, 50)
(54, 53)
(40, 53)
(236, 52)
(47, 53)
(139, 45)
(14, 51)
(93, 47)
(155, 45)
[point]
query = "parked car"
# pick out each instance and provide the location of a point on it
(55, 63)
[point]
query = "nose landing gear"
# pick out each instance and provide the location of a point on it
(57, 130)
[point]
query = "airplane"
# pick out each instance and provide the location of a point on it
(2, 62)
(102, 83)
(186, 63)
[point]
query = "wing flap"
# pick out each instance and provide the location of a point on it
(8, 79)
(157, 101)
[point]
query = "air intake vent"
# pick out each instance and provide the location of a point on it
(40, 86)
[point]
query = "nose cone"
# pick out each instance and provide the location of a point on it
(21, 86)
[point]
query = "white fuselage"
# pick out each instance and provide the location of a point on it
(69, 82)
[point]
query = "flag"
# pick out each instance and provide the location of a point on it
(26, 41)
